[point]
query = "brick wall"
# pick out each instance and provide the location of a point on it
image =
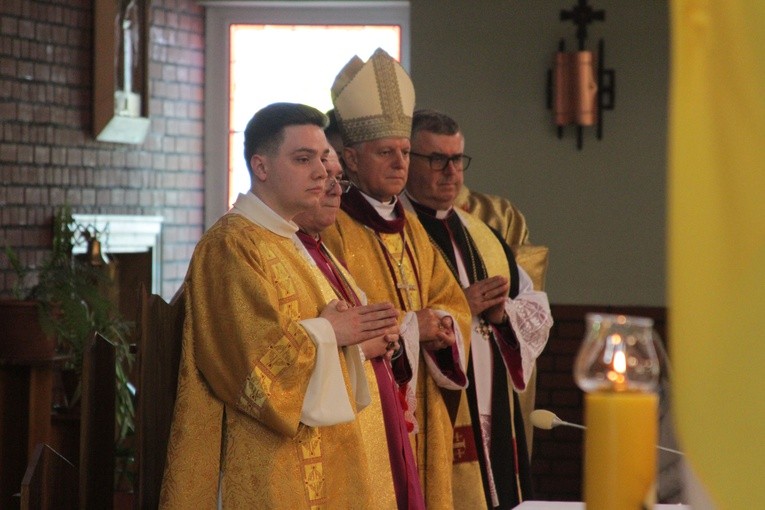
(557, 453)
(48, 153)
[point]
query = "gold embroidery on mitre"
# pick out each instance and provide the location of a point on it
(373, 100)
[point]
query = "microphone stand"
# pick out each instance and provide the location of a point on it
(546, 420)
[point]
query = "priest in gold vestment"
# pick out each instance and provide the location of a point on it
(383, 425)
(389, 254)
(270, 380)
(511, 321)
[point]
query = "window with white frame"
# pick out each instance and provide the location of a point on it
(260, 52)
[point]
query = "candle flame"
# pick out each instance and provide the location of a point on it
(617, 359)
(620, 362)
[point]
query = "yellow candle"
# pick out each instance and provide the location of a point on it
(619, 449)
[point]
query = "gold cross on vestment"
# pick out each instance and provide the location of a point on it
(403, 282)
(406, 288)
(484, 328)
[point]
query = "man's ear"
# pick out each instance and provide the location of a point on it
(258, 163)
(351, 160)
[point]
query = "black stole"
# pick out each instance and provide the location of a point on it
(505, 455)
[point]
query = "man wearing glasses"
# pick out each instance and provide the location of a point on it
(510, 324)
(383, 425)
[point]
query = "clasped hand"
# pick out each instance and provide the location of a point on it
(356, 324)
(435, 332)
(384, 345)
(487, 297)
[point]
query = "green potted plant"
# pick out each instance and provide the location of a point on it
(71, 297)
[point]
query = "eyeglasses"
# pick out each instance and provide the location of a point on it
(332, 181)
(439, 162)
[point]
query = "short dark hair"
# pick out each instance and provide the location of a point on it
(333, 128)
(264, 133)
(433, 121)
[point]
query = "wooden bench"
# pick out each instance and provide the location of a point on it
(97, 424)
(50, 481)
(159, 354)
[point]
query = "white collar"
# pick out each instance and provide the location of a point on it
(407, 200)
(385, 210)
(255, 210)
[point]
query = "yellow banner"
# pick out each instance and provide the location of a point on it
(717, 243)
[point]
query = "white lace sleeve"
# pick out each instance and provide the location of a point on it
(531, 320)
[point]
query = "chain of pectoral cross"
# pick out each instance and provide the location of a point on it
(401, 282)
(483, 328)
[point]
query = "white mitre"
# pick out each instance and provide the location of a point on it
(374, 99)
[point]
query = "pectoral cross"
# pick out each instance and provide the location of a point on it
(404, 285)
(483, 329)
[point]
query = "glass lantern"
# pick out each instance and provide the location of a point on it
(617, 354)
(618, 369)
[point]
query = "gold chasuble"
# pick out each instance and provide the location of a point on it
(376, 446)
(497, 212)
(371, 418)
(250, 349)
(382, 265)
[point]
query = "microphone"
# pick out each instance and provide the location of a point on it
(546, 420)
